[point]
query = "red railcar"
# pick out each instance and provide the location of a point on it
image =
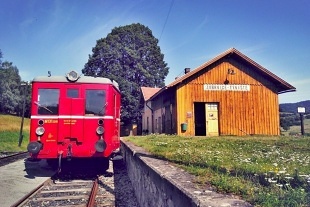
(74, 117)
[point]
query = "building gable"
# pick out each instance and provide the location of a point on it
(231, 91)
(249, 66)
(148, 92)
(147, 125)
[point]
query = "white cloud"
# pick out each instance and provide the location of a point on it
(26, 23)
(258, 48)
(202, 24)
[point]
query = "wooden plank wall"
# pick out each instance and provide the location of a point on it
(240, 112)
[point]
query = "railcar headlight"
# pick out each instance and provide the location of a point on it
(34, 147)
(40, 131)
(100, 130)
(100, 146)
(72, 76)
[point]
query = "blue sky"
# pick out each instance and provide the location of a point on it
(58, 35)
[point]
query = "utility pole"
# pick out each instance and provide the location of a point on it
(301, 111)
(24, 85)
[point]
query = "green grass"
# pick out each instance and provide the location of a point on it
(297, 129)
(266, 171)
(10, 131)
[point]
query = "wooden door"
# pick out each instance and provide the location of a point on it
(212, 121)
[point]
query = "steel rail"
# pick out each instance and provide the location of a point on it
(93, 193)
(28, 195)
(12, 158)
(13, 155)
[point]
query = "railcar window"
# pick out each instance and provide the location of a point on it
(95, 102)
(48, 101)
(72, 93)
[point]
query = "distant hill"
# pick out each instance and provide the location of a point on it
(292, 107)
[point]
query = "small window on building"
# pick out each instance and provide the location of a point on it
(212, 106)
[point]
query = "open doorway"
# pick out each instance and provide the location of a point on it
(206, 119)
(200, 118)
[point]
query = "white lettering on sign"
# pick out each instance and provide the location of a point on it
(224, 87)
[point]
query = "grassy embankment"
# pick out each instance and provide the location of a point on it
(9, 133)
(266, 171)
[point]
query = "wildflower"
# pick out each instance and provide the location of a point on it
(271, 181)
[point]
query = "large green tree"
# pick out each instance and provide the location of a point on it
(13, 92)
(131, 56)
(10, 94)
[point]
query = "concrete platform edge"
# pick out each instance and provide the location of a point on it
(159, 183)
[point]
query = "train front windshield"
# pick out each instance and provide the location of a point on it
(95, 102)
(48, 101)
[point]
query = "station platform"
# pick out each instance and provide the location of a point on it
(19, 178)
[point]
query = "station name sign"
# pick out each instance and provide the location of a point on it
(225, 87)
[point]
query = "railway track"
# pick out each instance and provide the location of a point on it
(68, 190)
(114, 186)
(64, 193)
(7, 159)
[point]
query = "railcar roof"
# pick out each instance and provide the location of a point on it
(82, 79)
(63, 79)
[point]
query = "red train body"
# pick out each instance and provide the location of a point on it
(74, 116)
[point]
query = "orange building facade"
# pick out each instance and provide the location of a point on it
(228, 95)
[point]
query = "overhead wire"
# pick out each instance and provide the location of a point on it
(166, 20)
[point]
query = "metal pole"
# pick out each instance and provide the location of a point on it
(23, 115)
(302, 124)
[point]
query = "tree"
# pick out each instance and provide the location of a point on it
(0, 57)
(129, 55)
(284, 124)
(10, 95)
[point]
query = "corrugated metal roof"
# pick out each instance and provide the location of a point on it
(286, 86)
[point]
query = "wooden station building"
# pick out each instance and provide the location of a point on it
(228, 95)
